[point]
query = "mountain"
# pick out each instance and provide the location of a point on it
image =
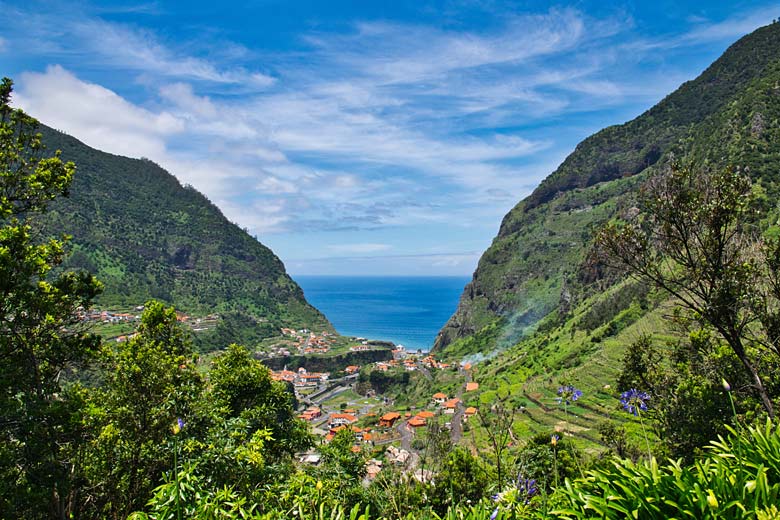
(146, 236)
(539, 270)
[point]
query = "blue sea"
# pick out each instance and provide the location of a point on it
(408, 311)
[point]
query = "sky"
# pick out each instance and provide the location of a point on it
(358, 137)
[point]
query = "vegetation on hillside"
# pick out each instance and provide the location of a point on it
(540, 262)
(145, 236)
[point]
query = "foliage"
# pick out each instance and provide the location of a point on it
(540, 258)
(40, 334)
(739, 477)
(150, 382)
(242, 388)
(696, 245)
(145, 236)
(684, 381)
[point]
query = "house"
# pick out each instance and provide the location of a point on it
(425, 414)
(341, 419)
(351, 369)
(470, 411)
(388, 419)
(439, 398)
(310, 414)
(451, 405)
(417, 422)
(470, 387)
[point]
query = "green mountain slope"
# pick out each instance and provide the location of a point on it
(538, 266)
(146, 236)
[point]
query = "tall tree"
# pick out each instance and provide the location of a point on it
(151, 383)
(40, 332)
(696, 239)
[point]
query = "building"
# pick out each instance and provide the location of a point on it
(451, 405)
(389, 419)
(341, 419)
(439, 398)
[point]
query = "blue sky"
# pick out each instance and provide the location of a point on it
(359, 137)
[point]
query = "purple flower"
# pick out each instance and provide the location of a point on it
(494, 514)
(554, 439)
(526, 487)
(633, 401)
(568, 394)
(181, 423)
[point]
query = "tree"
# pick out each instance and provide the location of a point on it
(244, 388)
(151, 383)
(498, 426)
(697, 241)
(40, 332)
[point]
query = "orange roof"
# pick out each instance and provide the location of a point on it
(425, 414)
(355, 449)
(471, 410)
(467, 366)
(347, 416)
(416, 422)
(452, 403)
(439, 395)
(470, 387)
(391, 416)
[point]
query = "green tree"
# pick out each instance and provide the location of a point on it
(40, 332)
(463, 478)
(243, 388)
(697, 241)
(151, 383)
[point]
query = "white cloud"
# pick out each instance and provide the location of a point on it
(95, 114)
(732, 27)
(140, 50)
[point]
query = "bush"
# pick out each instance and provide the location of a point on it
(737, 478)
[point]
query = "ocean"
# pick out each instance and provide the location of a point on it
(408, 311)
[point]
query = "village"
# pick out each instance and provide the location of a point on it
(390, 435)
(328, 401)
(119, 325)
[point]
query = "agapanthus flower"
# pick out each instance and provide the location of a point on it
(633, 401)
(568, 394)
(554, 439)
(494, 514)
(526, 487)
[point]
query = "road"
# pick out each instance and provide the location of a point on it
(406, 435)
